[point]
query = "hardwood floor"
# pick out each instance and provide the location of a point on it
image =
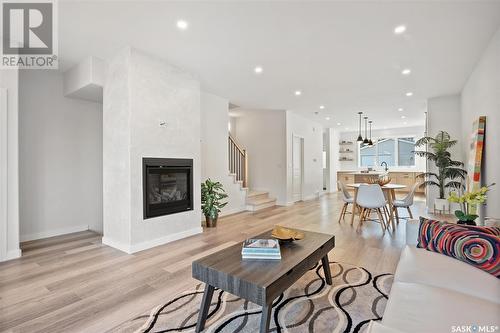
(73, 283)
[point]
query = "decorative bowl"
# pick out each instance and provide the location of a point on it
(285, 234)
(380, 180)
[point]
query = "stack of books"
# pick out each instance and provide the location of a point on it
(268, 249)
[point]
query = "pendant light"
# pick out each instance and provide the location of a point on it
(365, 141)
(370, 142)
(360, 138)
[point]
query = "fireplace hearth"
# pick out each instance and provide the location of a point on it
(167, 186)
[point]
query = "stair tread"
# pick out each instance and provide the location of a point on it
(256, 193)
(256, 202)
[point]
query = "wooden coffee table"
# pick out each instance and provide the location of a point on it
(260, 281)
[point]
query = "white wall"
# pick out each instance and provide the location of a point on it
(140, 92)
(417, 131)
(312, 133)
(60, 159)
(86, 79)
(9, 160)
(214, 152)
(263, 134)
(443, 114)
(232, 125)
(333, 158)
(481, 97)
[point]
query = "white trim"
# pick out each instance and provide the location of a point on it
(311, 197)
(302, 165)
(165, 239)
(54, 232)
(283, 203)
(231, 211)
(152, 243)
(12, 254)
(117, 245)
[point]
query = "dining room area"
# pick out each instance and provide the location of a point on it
(379, 173)
(377, 202)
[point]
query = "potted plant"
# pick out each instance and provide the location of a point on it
(450, 173)
(211, 195)
(468, 202)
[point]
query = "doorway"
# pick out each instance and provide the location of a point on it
(297, 167)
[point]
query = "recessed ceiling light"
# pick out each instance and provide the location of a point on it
(406, 71)
(409, 93)
(258, 69)
(403, 117)
(298, 92)
(321, 107)
(399, 29)
(400, 109)
(346, 128)
(327, 118)
(183, 25)
(338, 124)
(405, 123)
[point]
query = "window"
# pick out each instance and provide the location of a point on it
(406, 146)
(393, 151)
(385, 152)
(368, 155)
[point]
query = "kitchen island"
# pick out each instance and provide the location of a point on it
(407, 178)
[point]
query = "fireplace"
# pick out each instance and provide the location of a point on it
(167, 186)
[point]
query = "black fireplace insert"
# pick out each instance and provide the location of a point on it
(167, 186)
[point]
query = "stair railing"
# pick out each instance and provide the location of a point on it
(238, 161)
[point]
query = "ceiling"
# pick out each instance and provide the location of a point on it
(343, 55)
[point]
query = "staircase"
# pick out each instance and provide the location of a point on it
(238, 168)
(257, 200)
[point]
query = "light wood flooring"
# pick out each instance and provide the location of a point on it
(73, 283)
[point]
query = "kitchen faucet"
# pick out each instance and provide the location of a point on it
(386, 168)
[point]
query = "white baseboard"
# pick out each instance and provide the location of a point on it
(129, 248)
(117, 245)
(283, 203)
(165, 239)
(53, 232)
(311, 197)
(232, 211)
(12, 254)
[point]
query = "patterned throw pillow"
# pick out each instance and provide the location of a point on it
(477, 246)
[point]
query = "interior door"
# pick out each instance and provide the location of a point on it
(297, 167)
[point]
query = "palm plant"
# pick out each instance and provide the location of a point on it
(450, 173)
(211, 195)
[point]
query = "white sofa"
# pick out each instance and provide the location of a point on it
(434, 293)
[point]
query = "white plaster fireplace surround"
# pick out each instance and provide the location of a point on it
(141, 92)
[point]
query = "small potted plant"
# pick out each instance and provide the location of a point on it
(468, 202)
(212, 193)
(450, 173)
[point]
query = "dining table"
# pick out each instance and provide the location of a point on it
(389, 189)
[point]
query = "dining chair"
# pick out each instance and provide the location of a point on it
(371, 197)
(406, 202)
(346, 198)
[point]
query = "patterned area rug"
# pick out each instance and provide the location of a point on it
(310, 305)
